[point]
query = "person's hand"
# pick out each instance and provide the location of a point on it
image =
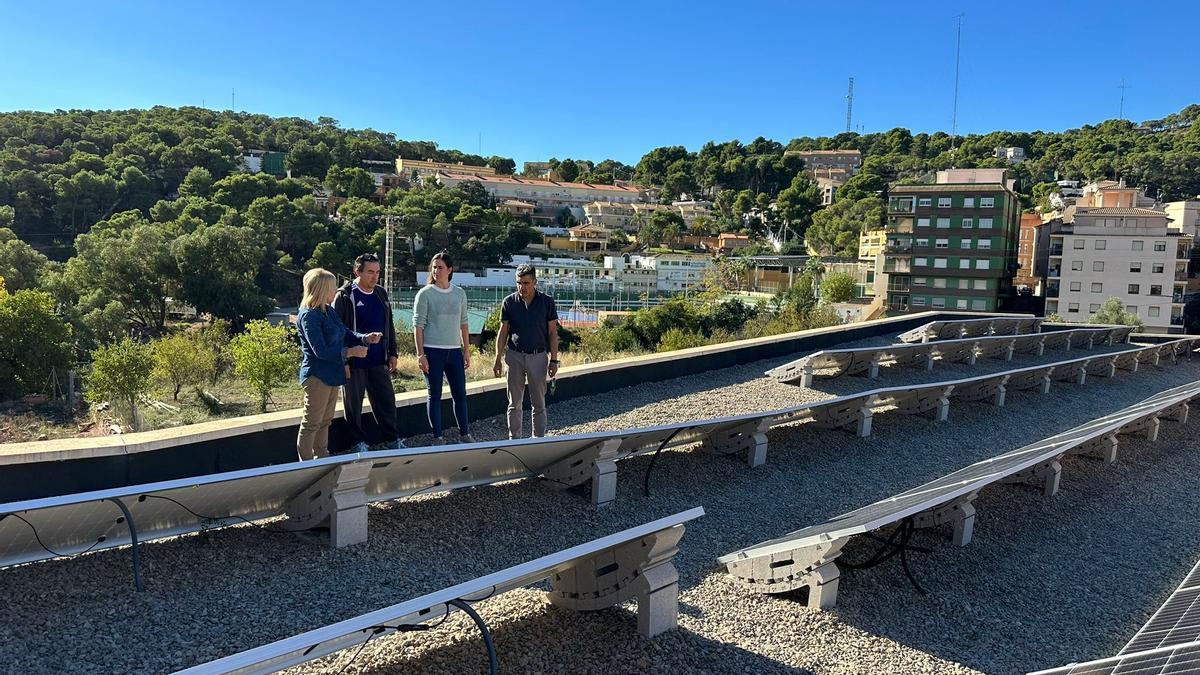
(373, 338)
(553, 368)
(423, 362)
(347, 372)
(467, 358)
(356, 352)
(392, 365)
(497, 368)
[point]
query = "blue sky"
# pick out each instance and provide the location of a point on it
(593, 80)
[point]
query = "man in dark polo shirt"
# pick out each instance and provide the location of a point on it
(528, 345)
(363, 306)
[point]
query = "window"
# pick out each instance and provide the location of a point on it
(939, 262)
(1156, 268)
(1137, 245)
(985, 244)
(1073, 307)
(1135, 267)
(1160, 246)
(918, 301)
(1152, 311)
(985, 223)
(924, 201)
(987, 202)
(1156, 290)
(983, 264)
(939, 303)
(922, 242)
(968, 223)
(979, 305)
(964, 263)
(1077, 265)
(1093, 308)
(981, 284)
(965, 243)
(968, 202)
(964, 284)
(1134, 289)
(960, 304)
(942, 243)
(1101, 244)
(1097, 287)
(922, 222)
(920, 262)
(1079, 244)
(919, 281)
(1132, 309)
(943, 223)
(939, 283)
(943, 202)
(1077, 286)
(1097, 265)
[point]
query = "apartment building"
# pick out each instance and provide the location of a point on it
(952, 245)
(829, 188)
(680, 271)
(427, 168)
(871, 244)
(548, 197)
(1012, 155)
(1097, 253)
(821, 162)
(1184, 215)
(1026, 246)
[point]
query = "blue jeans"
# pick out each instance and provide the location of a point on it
(448, 363)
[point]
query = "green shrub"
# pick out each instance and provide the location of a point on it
(267, 356)
(121, 371)
(676, 338)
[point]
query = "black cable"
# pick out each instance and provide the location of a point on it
(400, 628)
(653, 459)
(49, 550)
(493, 668)
(215, 518)
(889, 548)
(535, 473)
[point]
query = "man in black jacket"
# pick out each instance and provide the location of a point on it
(363, 306)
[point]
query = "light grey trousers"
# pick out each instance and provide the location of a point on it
(526, 371)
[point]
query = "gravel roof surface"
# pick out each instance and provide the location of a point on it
(1043, 583)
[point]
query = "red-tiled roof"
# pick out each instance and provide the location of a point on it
(534, 182)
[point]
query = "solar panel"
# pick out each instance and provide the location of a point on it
(806, 557)
(1177, 660)
(957, 328)
(72, 524)
(1176, 622)
(634, 563)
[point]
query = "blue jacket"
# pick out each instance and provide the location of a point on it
(323, 341)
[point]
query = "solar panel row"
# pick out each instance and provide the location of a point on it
(960, 328)
(807, 557)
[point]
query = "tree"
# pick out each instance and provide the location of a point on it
(33, 339)
(20, 263)
(349, 182)
(502, 165)
(860, 186)
(837, 287)
(267, 356)
(835, 229)
(197, 183)
(121, 371)
(218, 265)
(306, 159)
(292, 222)
(666, 224)
(182, 360)
(1113, 313)
(796, 204)
(568, 170)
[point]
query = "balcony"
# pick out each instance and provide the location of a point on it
(1056, 250)
(899, 285)
(1054, 272)
(898, 247)
(1177, 321)
(1052, 289)
(1181, 276)
(894, 266)
(900, 225)
(1177, 298)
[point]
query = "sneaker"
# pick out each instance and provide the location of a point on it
(467, 438)
(398, 445)
(359, 447)
(438, 441)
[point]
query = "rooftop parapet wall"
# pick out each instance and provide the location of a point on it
(65, 466)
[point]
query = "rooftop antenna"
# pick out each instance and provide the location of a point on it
(849, 104)
(1122, 87)
(233, 99)
(957, 54)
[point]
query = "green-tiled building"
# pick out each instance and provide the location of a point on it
(952, 245)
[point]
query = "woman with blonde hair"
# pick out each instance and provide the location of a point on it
(325, 344)
(443, 344)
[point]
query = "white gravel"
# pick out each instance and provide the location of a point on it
(1045, 581)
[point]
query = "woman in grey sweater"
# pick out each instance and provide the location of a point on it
(443, 344)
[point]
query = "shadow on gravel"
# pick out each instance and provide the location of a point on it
(548, 640)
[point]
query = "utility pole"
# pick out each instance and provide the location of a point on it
(849, 104)
(233, 100)
(957, 58)
(1122, 87)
